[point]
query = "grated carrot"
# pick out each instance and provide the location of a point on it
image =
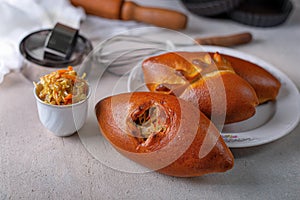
(62, 87)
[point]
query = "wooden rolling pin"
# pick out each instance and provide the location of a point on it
(126, 10)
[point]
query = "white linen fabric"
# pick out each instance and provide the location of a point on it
(19, 18)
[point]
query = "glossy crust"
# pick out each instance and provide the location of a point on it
(240, 99)
(208, 81)
(181, 141)
(264, 83)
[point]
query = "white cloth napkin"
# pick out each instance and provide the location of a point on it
(19, 18)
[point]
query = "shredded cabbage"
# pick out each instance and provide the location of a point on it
(62, 87)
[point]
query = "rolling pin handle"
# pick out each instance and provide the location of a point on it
(156, 16)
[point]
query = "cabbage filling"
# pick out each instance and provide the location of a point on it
(149, 122)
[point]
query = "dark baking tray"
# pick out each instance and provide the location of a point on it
(262, 13)
(210, 7)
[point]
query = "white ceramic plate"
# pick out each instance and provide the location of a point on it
(271, 121)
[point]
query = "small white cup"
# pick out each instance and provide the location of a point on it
(62, 120)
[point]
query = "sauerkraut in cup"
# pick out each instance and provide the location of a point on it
(62, 87)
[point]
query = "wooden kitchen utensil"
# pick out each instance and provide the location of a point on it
(226, 41)
(125, 10)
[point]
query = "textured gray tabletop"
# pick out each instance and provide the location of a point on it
(34, 164)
